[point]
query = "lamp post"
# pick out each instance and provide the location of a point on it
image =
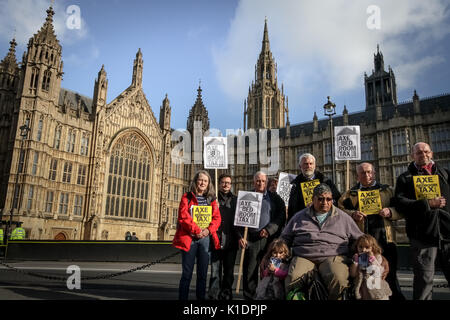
(329, 110)
(23, 133)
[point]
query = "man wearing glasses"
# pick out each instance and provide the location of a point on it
(319, 237)
(223, 260)
(376, 221)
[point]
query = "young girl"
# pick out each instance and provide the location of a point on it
(367, 270)
(274, 269)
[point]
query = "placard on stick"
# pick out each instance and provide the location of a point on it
(347, 143)
(248, 209)
(215, 155)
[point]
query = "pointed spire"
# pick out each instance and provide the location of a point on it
(265, 42)
(10, 62)
(345, 110)
(378, 60)
(47, 32)
(138, 67)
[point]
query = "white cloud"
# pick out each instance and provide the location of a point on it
(326, 45)
(27, 16)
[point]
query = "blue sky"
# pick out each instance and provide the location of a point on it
(321, 48)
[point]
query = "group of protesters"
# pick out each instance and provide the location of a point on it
(327, 233)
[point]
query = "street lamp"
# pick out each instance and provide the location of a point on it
(23, 133)
(329, 109)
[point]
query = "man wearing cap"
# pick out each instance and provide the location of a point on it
(320, 236)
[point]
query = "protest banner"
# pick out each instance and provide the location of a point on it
(202, 216)
(284, 186)
(248, 209)
(426, 187)
(347, 143)
(307, 190)
(248, 213)
(369, 201)
(215, 154)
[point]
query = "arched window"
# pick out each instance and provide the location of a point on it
(128, 176)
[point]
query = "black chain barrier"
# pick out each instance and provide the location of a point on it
(145, 266)
(105, 276)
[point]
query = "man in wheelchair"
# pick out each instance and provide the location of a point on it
(319, 237)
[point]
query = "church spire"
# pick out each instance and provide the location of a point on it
(266, 106)
(9, 63)
(198, 112)
(265, 42)
(138, 69)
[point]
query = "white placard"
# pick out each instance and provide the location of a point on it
(215, 155)
(347, 143)
(284, 186)
(248, 209)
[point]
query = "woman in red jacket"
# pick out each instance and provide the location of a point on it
(198, 221)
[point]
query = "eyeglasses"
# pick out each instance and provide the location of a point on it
(321, 199)
(225, 182)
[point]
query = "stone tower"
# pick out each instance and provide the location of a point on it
(380, 86)
(9, 82)
(42, 66)
(265, 106)
(197, 125)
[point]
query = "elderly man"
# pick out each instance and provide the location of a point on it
(272, 219)
(302, 186)
(377, 222)
(320, 236)
(426, 208)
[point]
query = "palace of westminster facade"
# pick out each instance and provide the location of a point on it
(92, 170)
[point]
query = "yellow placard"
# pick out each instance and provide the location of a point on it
(202, 216)
(307, 190)
(369, 201)
(426, 187)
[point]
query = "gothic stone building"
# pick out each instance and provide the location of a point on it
(89, 169)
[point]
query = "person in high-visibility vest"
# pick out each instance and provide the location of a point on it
(1, 236)
(18, 233)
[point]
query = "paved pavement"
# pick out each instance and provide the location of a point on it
(159, 282)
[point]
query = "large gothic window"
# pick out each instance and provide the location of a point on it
(128, 180)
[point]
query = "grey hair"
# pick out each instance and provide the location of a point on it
(258, 174)
(210, 191)
(306, 155)
(358, 167)
(321, 189)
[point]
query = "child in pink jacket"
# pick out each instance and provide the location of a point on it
(273, 271)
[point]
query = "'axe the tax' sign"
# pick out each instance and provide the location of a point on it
(248, 209)
(347, 143)
(215, 153)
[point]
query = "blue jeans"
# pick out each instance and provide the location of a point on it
(200, 250)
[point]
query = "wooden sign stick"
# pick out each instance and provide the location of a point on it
(241, 264)
(347, 180)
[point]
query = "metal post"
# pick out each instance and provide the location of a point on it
(332, 150)
(23, 133)
(329, 109)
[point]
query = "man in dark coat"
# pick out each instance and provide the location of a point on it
(427, 217)
(304, 185)
(223, 260)
(272, 220)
